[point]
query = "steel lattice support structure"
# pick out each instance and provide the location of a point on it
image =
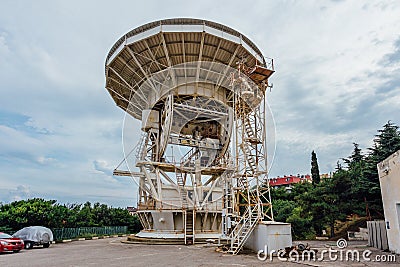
(198, 88)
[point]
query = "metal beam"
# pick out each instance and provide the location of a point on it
(200, 55)
(121, 97)
(228, 66)
(168, 59)
(213, 61)
(128, 66)
(130, 86)
(205, 200)
(196, 202)
(148, 77)
(184, 54)
(153, 57)
(149, 182)
(163, 173)
(119, 76)
(159, 185)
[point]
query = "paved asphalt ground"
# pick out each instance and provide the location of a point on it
(111, 252)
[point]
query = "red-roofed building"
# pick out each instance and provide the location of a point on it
(132, 210)
(288, 180)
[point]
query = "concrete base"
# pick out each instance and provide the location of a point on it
(269, 237)
(175, 235)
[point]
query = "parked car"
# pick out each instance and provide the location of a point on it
(9, 243)
(35, 236)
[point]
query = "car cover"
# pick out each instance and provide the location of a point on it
(37, 234)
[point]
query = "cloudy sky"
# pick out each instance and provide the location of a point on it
(337, 81)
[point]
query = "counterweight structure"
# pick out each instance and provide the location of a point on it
(198, 88)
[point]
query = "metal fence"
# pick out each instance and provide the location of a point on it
(70, 233)
(377, 234)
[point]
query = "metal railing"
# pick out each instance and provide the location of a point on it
(70, 233)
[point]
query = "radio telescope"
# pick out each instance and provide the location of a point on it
(198, 88)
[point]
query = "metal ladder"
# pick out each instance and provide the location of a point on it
(181, 185)
(141, 145)
(250, 140)
(243, 229)
(187, 158)
(228, 208)
(189, 227)
(249, 130)
(249, 158)
(189, 214)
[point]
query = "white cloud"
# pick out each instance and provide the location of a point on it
(45, 160)
(21, 192)
(4, 49)
(332, 85)
(103, 167)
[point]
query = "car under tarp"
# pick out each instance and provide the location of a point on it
(35, 234)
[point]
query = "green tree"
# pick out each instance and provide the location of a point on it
(280, 193)
(386, 142)
(355, 184)
(339, 166)
(337, 195)
(301, 223)
(355, 157)
(85, 216)
(314, 169)
(49, 213)
(288, 208)
(312, 208)
(60, 216)
(283, 209)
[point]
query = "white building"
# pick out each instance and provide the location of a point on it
(389, 177)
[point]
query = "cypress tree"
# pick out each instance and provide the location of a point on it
(314, 169)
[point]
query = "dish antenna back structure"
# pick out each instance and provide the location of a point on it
(198, 88)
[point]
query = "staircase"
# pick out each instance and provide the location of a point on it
(140, 153)
(243, 229)
(249, 142)
(249, 158)
(189, 215)
(228, 205)
(186, 160)
(246, 223)
(248, 129)
(181, 185)
(189, 227)
(251, 135)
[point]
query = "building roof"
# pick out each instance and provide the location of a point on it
(131, 209)
(289, 179)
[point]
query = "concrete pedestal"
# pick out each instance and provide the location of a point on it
(268, 236)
